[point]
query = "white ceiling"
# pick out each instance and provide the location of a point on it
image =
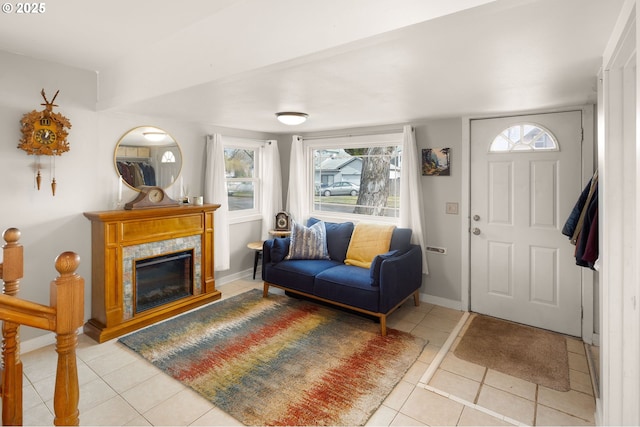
(347, 63)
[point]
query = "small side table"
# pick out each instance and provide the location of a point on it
(280, 233)
(257, 247)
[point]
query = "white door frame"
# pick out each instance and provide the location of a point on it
(587, 169)
(619, 206)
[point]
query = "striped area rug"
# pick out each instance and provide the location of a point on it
(280, 360)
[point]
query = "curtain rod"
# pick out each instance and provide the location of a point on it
(264, 141)
(349, 135)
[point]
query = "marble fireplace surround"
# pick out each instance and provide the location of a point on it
(130, 254)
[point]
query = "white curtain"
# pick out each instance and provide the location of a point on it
(272, 187)
(411, 192)
(215, 191)
(298, 192)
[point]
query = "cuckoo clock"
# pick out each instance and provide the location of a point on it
(44, 133)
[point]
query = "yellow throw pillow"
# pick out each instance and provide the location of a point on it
(367, 241)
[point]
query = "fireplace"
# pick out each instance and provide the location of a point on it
(172, 247)
(162, 279)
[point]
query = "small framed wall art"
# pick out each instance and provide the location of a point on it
(435, 161)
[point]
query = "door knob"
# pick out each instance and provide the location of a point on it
(476, 217)
(476, 231)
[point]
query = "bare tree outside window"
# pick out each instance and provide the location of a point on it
(240, 175)
(361, 180)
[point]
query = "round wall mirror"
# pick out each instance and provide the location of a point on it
(147, 155)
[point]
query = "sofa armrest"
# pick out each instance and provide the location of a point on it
(400, 276)
(266, 251)
(274, 250)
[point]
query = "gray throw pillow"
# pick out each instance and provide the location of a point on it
(308, 242)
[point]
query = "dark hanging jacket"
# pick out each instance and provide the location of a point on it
(572, 226)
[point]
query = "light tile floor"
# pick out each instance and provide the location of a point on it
(119, 388)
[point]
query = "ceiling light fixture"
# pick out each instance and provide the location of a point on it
(291, 118)
(153, 136)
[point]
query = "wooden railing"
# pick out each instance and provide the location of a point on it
(64, 316)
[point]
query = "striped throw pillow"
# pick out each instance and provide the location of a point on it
(308, 242)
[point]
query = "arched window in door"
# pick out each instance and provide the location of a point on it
(168, 157)
(525, 137)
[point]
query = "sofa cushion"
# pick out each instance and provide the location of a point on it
(374, 270)
(347, 284)
(308, 242)
(297, 274)
(280, 249)
(367, 241)
(338, 237)
(401, 240)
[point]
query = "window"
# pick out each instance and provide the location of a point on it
(523, 138)
(356, 176)
(168, 157)
(241, 161)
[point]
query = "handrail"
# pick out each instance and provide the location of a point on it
(27, 313)
(64, 316)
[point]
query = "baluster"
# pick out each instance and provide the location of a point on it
(12, 272)
(11, 376)
(67, 296)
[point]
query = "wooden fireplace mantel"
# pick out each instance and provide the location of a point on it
(112, 232)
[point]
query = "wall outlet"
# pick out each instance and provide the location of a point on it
(452, 208)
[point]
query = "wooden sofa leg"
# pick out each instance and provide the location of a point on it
(416, 298)
(383, 325)
(265, 290)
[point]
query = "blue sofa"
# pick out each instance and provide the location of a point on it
(393, 277)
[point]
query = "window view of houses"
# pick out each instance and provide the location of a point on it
(363, 181)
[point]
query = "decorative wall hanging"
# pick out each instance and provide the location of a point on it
(435, 161)
(44, 133)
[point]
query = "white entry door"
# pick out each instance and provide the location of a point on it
(522, 190)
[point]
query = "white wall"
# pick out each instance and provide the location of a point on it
(49, 224)
(86, 175)
(441, 229)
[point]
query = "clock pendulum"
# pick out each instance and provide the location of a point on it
(38, 176)
(53, 175)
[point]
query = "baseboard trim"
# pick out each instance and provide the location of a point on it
(41, 341)
(444, 302)
(37, 342)
(238, 276)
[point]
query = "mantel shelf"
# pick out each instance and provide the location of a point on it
(122, 214)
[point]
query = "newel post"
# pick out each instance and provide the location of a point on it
(12, 272)
(67, 296)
